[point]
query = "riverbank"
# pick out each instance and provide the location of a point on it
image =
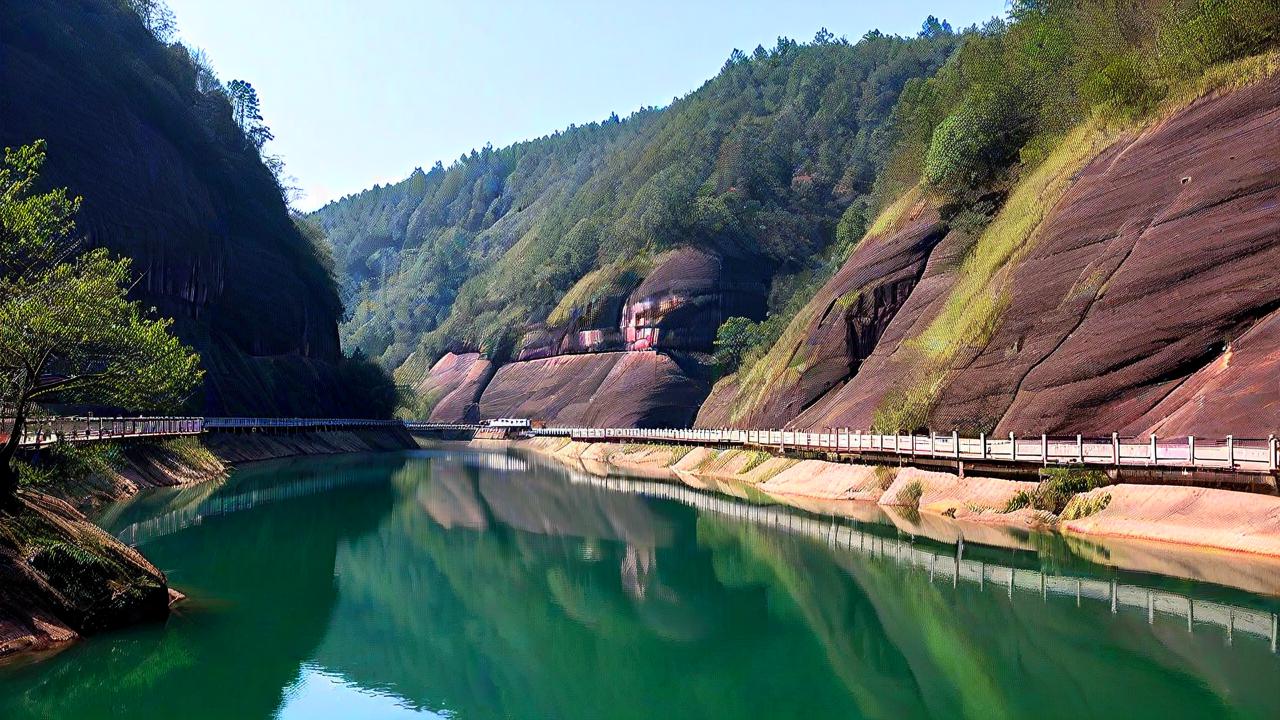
(1219, 536)
(128, 468)
(61, 577)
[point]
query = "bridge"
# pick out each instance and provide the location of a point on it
(1251, 460)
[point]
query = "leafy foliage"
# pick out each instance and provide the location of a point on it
(736, 336)
(67, 330)
(1015, 83)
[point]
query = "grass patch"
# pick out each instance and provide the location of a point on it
(758, 458)
(616, 278)
(892, 216)
(885, 475)
(909, 495)
(1082, 506)
(771, 473)
(1057, 489)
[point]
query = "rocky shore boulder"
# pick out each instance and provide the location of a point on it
(62, 577)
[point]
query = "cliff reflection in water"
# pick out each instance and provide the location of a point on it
(492, 586)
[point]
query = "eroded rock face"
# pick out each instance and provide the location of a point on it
(457, 381)
(165, 184)
(1159, 259)
(1146, 303)
(890, 365)
(621, 389)
(836, 332)
(683, 302)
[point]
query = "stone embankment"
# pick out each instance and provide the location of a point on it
(1220, 536)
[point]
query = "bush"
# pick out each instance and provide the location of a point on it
(1057, 491)
(974, 143)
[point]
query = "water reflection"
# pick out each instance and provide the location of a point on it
(487, 586)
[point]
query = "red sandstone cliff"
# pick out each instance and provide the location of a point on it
(1147, 302)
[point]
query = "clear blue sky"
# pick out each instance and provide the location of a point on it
(360, 93)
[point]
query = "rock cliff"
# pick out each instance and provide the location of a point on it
(168, 181)
(1146, 301)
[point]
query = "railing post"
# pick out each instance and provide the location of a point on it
(1013, 448)
(1155, 454)
(955, 442)
(1231, 451)
(1271, 455)
(982, 439)
(1044, 449)
(1080, 448)
(1115, 449)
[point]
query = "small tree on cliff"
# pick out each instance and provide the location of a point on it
(67, 330)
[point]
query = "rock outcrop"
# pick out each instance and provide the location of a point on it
(683, 302)
(1158, 261)
(841, 327)
(170, 182)
(454, 385)
(620, 389)
(62, 577)
(1145, 302)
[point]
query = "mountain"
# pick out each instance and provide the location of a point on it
(1049, 223)
(169, 180)
(582, 241)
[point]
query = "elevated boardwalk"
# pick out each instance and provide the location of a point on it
(1249, 462)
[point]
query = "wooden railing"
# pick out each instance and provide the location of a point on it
(1241, 455)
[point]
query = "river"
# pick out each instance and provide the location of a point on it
(467, 585)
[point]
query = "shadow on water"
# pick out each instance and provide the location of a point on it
(494, 586)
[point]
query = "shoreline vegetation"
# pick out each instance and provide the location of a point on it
(1223, 537)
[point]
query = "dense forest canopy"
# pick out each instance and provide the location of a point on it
(761, 162)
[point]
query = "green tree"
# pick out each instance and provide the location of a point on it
(67, 330)
(246, 109)
(734, 339)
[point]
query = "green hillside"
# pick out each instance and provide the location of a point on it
(760, 162)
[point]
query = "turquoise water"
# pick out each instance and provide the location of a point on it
(485, 586)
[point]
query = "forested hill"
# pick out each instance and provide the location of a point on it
(144, 132)
(760, 164)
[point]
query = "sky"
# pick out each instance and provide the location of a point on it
(360, 93)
